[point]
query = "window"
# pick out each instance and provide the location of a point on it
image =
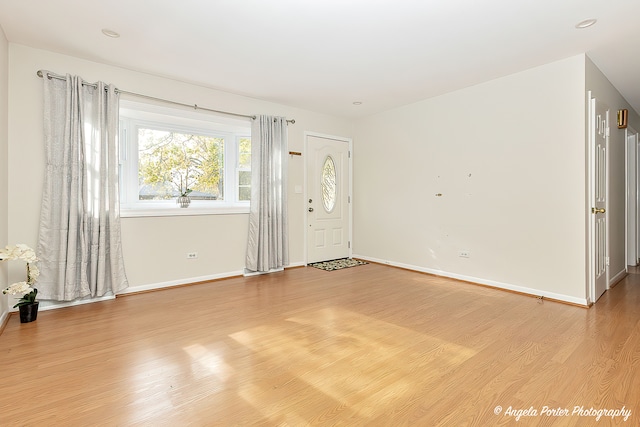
(165, 152)
(328, 184)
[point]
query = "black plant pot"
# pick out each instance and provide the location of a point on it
(29, 312)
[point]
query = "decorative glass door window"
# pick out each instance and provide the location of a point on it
(328, 184)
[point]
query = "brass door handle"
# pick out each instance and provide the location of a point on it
(596, 210)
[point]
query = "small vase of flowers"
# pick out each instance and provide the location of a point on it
(184, 200)
(27, 304)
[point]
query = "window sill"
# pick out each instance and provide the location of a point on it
(177, 211)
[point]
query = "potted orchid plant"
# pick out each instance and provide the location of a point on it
(27, 304)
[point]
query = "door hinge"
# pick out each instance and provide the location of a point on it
(348, 199)
(349, 245)
(349, 153)
(606, 259)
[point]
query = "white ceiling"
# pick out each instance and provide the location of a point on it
(323, 55)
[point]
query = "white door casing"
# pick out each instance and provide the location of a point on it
(631, 199)
(328, 194)
(598, 145)
(636, 199)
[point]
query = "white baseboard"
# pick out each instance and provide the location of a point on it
(179, 282)
(486, 282)
(249, 273)
(618, 277)
(50, 305)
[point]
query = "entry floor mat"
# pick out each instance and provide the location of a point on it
(337, 264)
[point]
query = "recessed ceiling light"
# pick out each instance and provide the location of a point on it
(586, 23)
(110, 33)
(357, 103)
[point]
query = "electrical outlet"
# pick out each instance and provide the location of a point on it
(464, 254)
(192, 255)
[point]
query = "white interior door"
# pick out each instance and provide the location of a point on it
(599, 136)
(328, 199)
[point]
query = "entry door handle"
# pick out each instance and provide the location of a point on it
(310, 209)
(597, 211)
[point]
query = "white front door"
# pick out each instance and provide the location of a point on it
(328, 198)
(599, 136)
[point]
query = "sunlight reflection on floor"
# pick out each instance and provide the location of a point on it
(209, 360)
(345, 359)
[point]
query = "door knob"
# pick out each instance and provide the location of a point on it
(596, 210)
(310, 209)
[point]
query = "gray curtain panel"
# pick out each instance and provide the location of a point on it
(268, 243)
(79, 246)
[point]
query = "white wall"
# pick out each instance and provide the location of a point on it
(604, 91)
(154, 248)
(508, 157)
(4, 165)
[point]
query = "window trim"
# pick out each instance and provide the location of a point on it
(135, 115)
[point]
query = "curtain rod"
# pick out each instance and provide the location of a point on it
(194, 106)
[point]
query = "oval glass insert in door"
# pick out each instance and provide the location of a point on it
(328, 184)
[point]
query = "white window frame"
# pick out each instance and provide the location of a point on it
(134, 115)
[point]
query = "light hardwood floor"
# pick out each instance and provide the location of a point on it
(370, 345)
